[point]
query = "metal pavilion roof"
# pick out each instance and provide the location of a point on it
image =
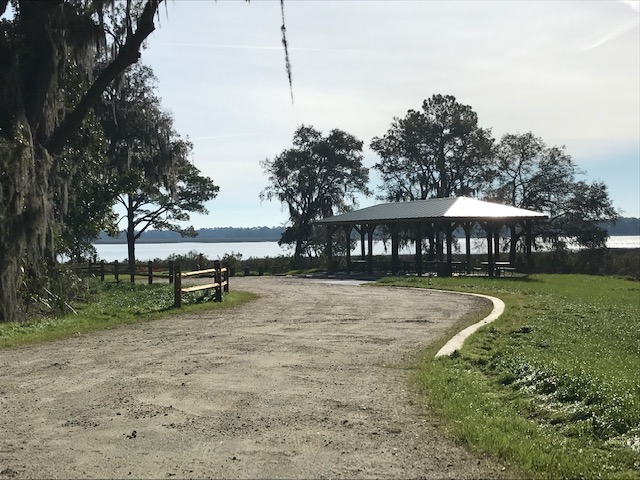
(436, 209)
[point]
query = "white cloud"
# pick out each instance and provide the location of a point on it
(633, 4)
(615, 32)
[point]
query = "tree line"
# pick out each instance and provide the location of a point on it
(624, 226)
(439, 150)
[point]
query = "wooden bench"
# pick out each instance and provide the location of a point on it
(221, 283)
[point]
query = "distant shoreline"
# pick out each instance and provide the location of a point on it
(186, 240)
(624, 227)
(225, 240)
(204, 235)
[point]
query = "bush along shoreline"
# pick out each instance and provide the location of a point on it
(617, 262)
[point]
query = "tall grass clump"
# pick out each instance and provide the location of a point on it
(553, 385)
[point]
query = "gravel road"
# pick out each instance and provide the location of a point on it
(309, 381)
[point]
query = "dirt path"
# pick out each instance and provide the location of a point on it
(306, 382)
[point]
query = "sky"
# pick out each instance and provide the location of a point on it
(568, 71)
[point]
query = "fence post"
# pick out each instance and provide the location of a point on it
(116, 273)
(218, 276)
(90, 269)
(177, 287)
(226, 276)
(201, 262)
(150, 271)
(102, 270)
(171, 267)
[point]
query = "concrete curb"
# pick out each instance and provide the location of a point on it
(456, 342)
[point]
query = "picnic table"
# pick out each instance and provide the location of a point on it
(500, 268)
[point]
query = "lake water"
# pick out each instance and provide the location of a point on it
(213, 251)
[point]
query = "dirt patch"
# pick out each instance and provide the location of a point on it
(309, 381)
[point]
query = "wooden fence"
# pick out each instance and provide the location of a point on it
(170, 271)
(149, 271)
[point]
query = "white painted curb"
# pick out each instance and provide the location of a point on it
(456, 342)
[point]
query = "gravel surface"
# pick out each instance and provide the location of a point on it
(309, 381)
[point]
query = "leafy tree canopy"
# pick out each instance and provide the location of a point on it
(534, 176)
(155, 207)
(439, 151)
(316, 178)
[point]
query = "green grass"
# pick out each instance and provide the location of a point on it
(553, 386)
(111, 304)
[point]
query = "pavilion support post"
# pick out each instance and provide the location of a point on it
(329, 249)
(513, 243)
(418, 250)
(370, 230)
(490, 260)
(437, 228)
(467, 237)
(347, 234)
(528, 242)
(450, 227)
(431, 232)
(496, 241)
(394, 249)
(362, 232)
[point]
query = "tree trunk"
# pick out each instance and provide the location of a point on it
(298, 251)
(10, 280)
(27, 219)
(131, 235)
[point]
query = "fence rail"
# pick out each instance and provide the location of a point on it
(149, 271)
(220, 285)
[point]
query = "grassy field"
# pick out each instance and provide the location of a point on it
(111, 304)
(553, 386)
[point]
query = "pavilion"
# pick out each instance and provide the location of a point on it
(435, 219)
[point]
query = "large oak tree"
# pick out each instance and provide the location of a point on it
(39, 44)
(316, 178)
(532, 175)
(57, 57)
(438, 151)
